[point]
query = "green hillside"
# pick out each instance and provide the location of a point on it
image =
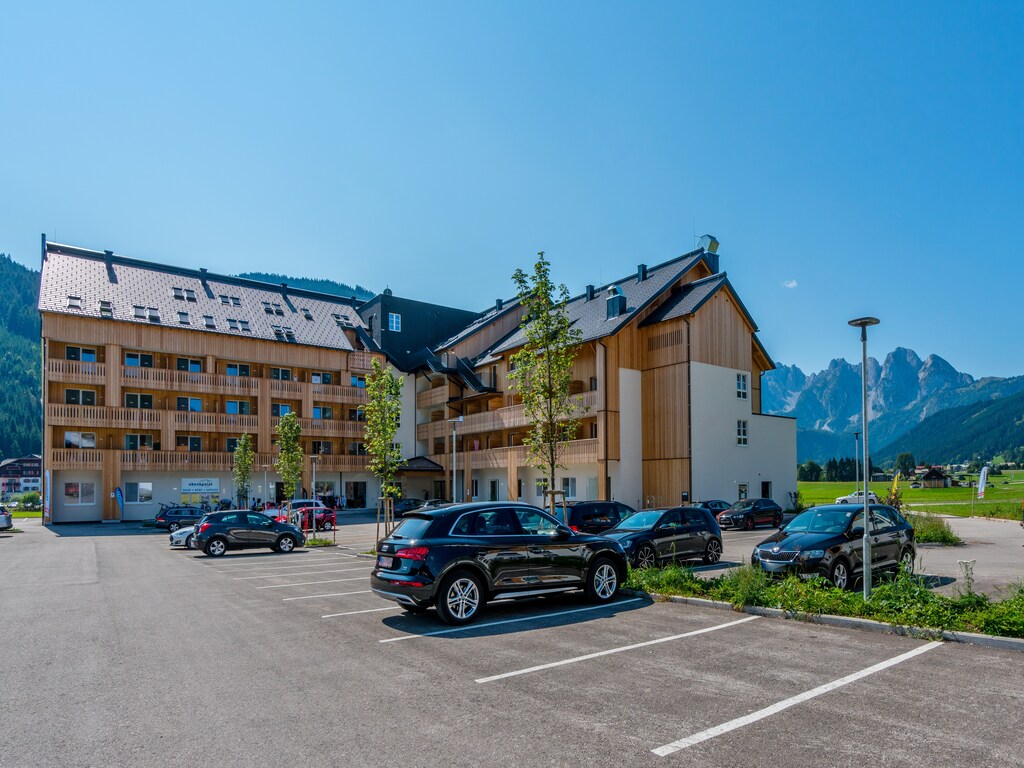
(312, 284)
(20, 416)
(985, 429)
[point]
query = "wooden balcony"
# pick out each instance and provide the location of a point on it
(432, 398)
(98, 416)
(75, 458)
(189, 421)
(326, 427)
(433, 429)
(337, 393)
(573, 452)
(341, 463)
(497, 420)
(185, 381)
(360, 361)
(75, 372)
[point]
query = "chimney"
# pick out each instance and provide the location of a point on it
(709, 243)
(616, 302)
(641, 273)
(498, 304)
(108, 260)
(590, 293)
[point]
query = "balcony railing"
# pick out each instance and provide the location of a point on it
(432, 397)
(103, 416)
(573, 452)
(186, 381)
(511, 417)
(215, 422)
(360, 361)
(75, 458)
(338, 393)
(75, 371)
(326, 427)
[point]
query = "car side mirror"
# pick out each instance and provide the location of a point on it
(664, 528)
(857, 533)
(563, 532)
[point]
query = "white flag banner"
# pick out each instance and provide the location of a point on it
(982, 480)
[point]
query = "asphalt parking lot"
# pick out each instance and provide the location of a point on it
(120, 651)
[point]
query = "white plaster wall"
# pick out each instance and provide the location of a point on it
(78, 513)
(407, 430)
(719, 464)
(629, 488)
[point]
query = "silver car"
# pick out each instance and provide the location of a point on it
(183, 537)
(6, 519)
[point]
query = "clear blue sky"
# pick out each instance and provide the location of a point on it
(869, 156)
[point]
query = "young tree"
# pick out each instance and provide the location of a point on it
(289, 453)
(541, 371)
(383, 412)
(905, 464)
(244, 458)
(809, 471)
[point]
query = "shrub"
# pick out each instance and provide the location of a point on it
(929, 529)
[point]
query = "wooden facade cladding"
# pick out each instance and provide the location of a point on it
(666, 425)
(431, 398)
(573, 452)
(205, 461)
(511, 417)
(489, 335)
(720, 334)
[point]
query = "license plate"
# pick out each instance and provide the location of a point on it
(385, 562)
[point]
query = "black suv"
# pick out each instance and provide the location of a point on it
(747, 513)
(173, 518)
(597, 516)
(461, 556)
(218, 532)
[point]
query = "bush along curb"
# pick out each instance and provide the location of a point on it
(844, 622)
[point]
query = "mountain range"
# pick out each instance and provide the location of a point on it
(904, 392)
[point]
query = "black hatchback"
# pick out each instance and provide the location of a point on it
(218, 532)
(173, 518)
(657, 536)
(828, 541)
(460, 557)
(747, 513)
(597, 516)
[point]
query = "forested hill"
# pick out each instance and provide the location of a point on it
(312, 284)
(20, 417)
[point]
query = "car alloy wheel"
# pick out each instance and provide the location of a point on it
(188, 541)
(216, 547)
(839, 575)
(327, 526)
(285, 544)
(602, 580)
(748, 524)
(173, 527)
(907, 560)
(460, 598)
(645, 557)
(777, 521)
(713, 551)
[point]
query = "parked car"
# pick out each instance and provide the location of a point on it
(828, 541)
(597, 516)
(857, 497)
(462, 556)
(6, 519)
(174, 517)
(747, 513)
(407, 505)
(435, 503)
(656, 536)
(218, 532)
(299, 511)
(713, 505)
(183, 537)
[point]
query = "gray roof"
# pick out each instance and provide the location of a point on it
(482, 321)
(591, 317)
(94, 277)
(686, 301)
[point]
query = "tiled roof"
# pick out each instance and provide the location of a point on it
(591, 317)
(482, 321)
(213, 303)
(686, 301)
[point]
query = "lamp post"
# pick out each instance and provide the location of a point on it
(312, 510)
(453, 422)
(856, 460)
(863, 323)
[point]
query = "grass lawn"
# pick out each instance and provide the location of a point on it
(26, 513)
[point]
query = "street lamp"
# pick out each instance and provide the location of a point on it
(863, 323)
(856, 461)
(453, 422)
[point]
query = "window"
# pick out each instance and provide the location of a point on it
(741, 386)
(541, 486)
(230, 444)
(244, 324)
(237, 407)
(193, 404)
(189, 443)
(395, 324)
(593, 383)
(106, 308)
(306, 313)
(280, 409)
(190, 295)
(322, 447)
(80, 397)
(74, 302)
(190, 365)
(237, 369)
(282, 374)
(208, 320)
(153, 314)
(534, 522)
(475, 491)
(272, 309)
(232, 324)
(136, 400)
(356, 414)
(140, 312)
(741, 491)
(138, 360)
(569, 486)
(84, 354)
(79, 439)
(323, 412)
(359, 381)
(321, 377)
(224, 299)
(178, 294)
(593, 429)
(289, 334)
(356, 449)
(235, 301)
(183, 318)
(79, 494)
(138, 493)
(140, 442)
(741, 432)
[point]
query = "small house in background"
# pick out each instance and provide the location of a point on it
(935, 478)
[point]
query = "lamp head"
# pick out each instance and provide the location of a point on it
(864, 322)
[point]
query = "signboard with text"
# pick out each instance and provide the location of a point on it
(200, 485)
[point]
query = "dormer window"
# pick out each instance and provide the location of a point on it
(106, 309)
(74, 302)
(235, 301)
(190, 295)
(140, 312)
(226, 300)
(208, 319)
(183, 318)
(244, 324)
(306, 313)
(153, 314)
(289, 333)
(232, 324)
(178, 294)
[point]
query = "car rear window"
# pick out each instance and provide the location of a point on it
(412, 527)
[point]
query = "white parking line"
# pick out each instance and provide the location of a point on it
(609, 652)
(792, 701)
(318, 564)
(509, 621)
(330, 594)
(300, 573)
(307, 583)
(352, 613)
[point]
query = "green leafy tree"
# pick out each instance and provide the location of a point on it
(244, 458)
(809, 471)
(289, 453)
(30, 499)
(905, 464)
(383, 412)
(541, 371)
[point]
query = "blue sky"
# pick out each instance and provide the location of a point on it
(869, 157)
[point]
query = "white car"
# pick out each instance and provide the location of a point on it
(857, 497)
(183, 537)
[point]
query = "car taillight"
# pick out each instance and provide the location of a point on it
(413, 553)
(407, 583)
(160, 520)
(574, 528)
(203, 527)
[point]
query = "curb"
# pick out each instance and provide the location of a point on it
(847, 622)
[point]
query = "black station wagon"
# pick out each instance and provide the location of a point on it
(458, 558)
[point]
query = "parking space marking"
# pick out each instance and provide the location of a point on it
(330, 594)
(319, 564)
(509, 621)
(353, 613)
(610, 651)
(307, 583)
(300, 573)
(792, 701)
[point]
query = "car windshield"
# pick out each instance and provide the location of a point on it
(739, 506)
(821, 521)
(640, 520)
